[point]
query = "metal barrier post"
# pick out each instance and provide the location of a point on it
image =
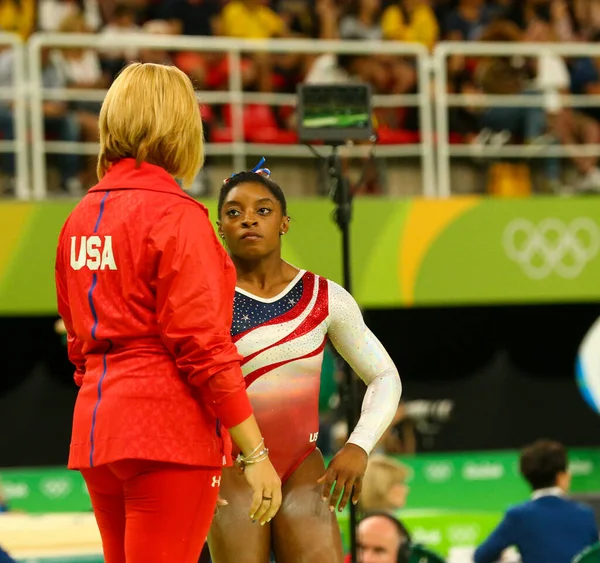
(426, 125)
(22, 186)
(237, 109)
(441, 122)
(36, 101)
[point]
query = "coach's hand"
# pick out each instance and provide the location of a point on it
(266, 486)
(220, 502)
(346, 471)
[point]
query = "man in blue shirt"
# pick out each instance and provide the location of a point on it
(549, 528)
(5, 557)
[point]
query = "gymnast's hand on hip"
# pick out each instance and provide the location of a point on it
(346, 470)
(266, 486)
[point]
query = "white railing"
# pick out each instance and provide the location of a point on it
(239, 149)
(29, 87)
(444, 101)
(15, 96)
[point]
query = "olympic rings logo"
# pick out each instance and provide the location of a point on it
(552, 246)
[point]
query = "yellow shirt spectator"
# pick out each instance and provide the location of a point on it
(250, 20)
(419, 27)
(17, 17)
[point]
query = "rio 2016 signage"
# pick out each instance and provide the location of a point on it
(460, 251)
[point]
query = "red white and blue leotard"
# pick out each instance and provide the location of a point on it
(282, 341)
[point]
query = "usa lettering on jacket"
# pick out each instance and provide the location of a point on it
(94, 252)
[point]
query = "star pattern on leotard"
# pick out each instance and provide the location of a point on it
(249, 313)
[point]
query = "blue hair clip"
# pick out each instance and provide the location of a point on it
(264, 171)
(257, 170)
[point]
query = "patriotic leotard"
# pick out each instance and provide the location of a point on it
(282, 341)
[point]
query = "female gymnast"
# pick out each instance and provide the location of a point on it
(282, 319)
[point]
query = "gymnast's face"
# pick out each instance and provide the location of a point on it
(252, 222)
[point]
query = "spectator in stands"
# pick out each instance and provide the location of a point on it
(564, 21)
(18, 16)
(251, 19)
(254, 19)
(362, 20)
(412, 21)
(156, 56)
(587, 14)
(197, 18)
(122, 22)
(585, 79)
(342, 69)
(192, 17)
(468, 20)
(549, 527)
(552, 78)
(80, 68)
(314, 19)
(384, 485)
(52, 13)
(59, 122)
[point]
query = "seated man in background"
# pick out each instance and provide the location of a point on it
(5, 557)
(381, 538)
(549, 527)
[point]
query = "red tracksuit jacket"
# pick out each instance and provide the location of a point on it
(146, 291)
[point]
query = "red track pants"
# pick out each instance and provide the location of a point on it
(151, 512)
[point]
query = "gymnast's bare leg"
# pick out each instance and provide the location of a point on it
(233, 537)
(303, 531)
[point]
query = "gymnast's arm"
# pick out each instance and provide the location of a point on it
(368, 358)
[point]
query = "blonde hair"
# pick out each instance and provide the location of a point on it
(150, 113)
(382, 474)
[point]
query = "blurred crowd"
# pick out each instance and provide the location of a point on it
(421, 21)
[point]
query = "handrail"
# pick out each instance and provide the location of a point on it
(16, 94)
(234, 95)
(435, 175)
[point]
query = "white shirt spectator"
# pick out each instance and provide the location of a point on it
(353, 28)
(85, 69)
(325, 70)
(51, 13)
(552, 77)
(112, 30)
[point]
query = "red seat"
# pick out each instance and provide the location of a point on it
(207, 113)
(273, 135)
(221, 135)
(386, 136)
(260, 126)
(455, 139)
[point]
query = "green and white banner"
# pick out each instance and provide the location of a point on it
(466, 481)
(454, 500)
(404, 252)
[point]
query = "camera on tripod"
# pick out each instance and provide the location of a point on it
(334, 114)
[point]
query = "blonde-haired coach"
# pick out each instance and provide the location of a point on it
(145, 291)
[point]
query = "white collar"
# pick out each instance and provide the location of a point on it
(548, 492)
